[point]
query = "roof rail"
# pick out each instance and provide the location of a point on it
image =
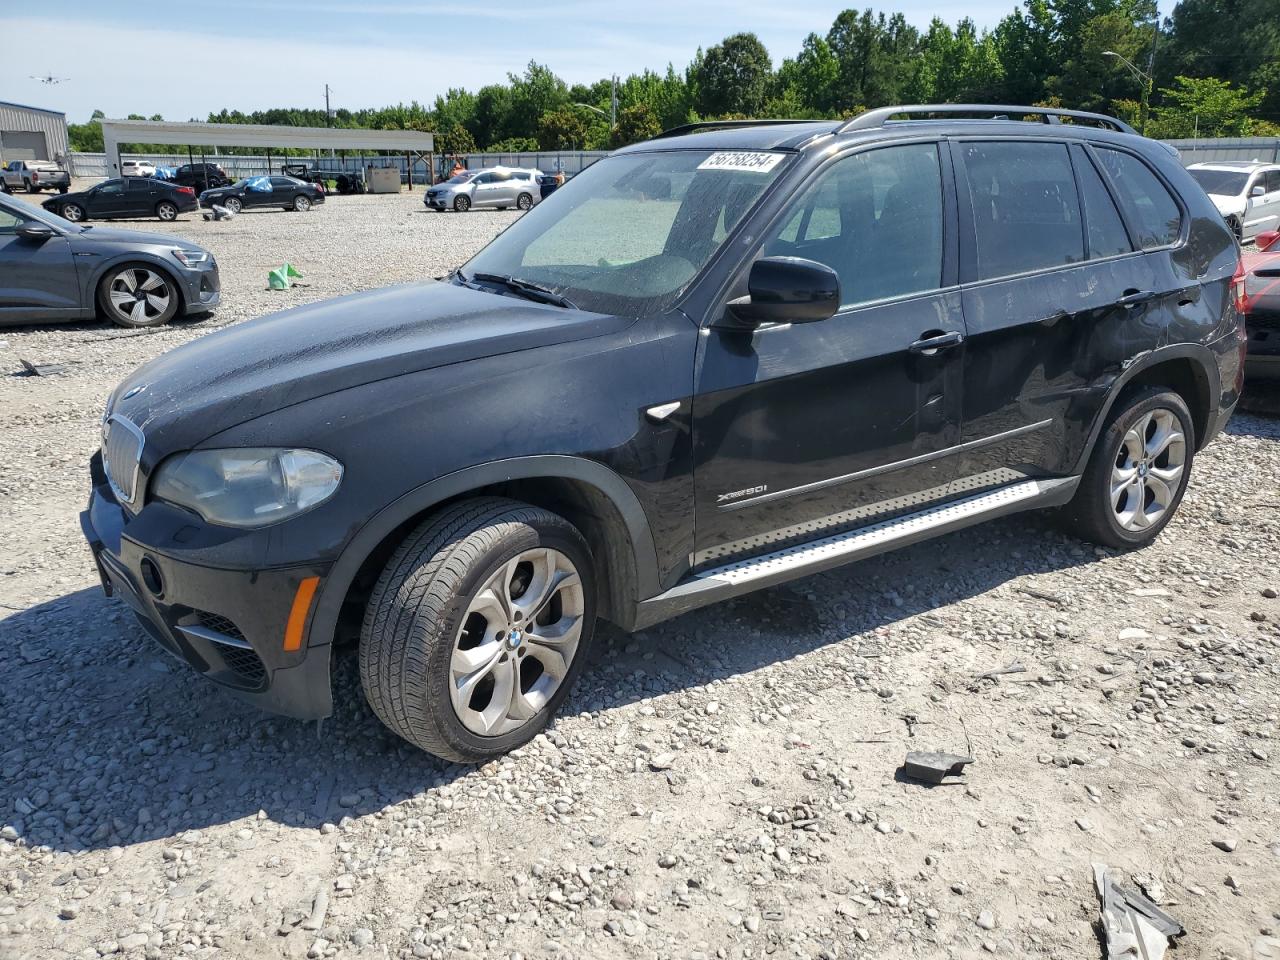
(701, 125)
(882, 115)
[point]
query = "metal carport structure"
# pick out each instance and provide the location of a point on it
(408, 142)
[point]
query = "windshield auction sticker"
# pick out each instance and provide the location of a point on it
(741, 160)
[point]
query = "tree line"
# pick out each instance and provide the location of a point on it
(1211, 68)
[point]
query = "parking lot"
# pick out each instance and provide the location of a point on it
(723, 785)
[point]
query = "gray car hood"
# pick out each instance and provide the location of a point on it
(263, 365)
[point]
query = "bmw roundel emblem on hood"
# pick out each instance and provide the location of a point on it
(134, 391)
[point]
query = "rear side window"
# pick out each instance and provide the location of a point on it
(1104, 228)
(1273, 181)
(1026, 215)
(1145, 199)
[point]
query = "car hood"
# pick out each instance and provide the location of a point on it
(226, 378)
(96, 234)
(1228, 206)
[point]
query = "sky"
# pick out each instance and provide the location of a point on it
(122, 58)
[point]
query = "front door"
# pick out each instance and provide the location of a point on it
(108, 200)
(37, 277)
(1263, 212)
(808, 428)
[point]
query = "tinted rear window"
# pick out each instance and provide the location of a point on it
(1146, 201)
(1026, 215)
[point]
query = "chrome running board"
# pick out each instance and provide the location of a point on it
(754, 573)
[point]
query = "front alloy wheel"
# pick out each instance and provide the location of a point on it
(477, 628)
(72, 211)
(138, 296)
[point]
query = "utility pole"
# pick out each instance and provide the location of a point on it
(328, 114)
(613, 102)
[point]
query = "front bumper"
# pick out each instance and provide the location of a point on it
(229, 625)
(202, 287)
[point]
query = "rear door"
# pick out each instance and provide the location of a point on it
(1057, 294)
(141, 195)
(37, 277)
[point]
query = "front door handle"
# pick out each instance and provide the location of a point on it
(932, 341)
(1134, 298)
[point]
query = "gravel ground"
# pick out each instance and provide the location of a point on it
(722, 786)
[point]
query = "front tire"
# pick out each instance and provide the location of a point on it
(64, 190)
(1137, 473)
(233, 204)
(31, 187)
(73, 212)
(138, 295)
(477, 628)
(166, 211)
(462, 204)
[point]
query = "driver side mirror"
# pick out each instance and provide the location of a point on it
(787, 290)
(1258, 190)
(34, 231)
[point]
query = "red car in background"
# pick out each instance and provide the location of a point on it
(1262, 307)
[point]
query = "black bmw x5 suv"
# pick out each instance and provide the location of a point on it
(734, 355)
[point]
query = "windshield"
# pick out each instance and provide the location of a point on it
(462, 177)
(1225, 183)
(628, 234)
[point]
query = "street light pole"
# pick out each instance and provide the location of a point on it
(1142, 75)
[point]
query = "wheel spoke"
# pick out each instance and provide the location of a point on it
(476, 661)
(122, 299)
(129, 280)
(1161, 492)
(151, 281)
(564, 633)
(491, 604)
(158, 304)
(139, 311)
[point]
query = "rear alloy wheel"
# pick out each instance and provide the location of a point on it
(138, 296)
(231, 203)
(462, 204)
(1137, 473)
(524, 201)
(477, 628)
(73, 212)
(301, 204)
(166, 211)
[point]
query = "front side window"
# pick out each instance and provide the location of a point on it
(111, 187)
(1145, 200)
(875, 218)
(1026, 215)
(9, 222)
(630, 232)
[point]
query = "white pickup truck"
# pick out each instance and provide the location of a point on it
(35, 175)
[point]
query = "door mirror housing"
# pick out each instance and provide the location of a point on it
(34, 231)
(1258, 190)
(787, 290)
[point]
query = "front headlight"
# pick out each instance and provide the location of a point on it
(190, 258)
(249, 486)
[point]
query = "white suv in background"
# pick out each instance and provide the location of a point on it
(1246, 192)
(137, 168)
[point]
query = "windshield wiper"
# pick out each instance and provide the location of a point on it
(525, 288)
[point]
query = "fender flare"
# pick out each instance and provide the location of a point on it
(338, 581)
(1203, 360)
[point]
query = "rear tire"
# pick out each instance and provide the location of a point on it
(524, 201)
(1137, 473)
(302, 204)
(445, 635)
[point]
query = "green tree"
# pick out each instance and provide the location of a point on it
(538, 91)
(635, 123)
(734, 77)
(455, 139)
(1205, 107)
(562, 129)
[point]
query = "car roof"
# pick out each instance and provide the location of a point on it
(1246, 166)
(798, 135)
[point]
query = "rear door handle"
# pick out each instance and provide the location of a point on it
(932, 342)
(1134, 298)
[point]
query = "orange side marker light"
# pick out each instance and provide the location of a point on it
(298, 615)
